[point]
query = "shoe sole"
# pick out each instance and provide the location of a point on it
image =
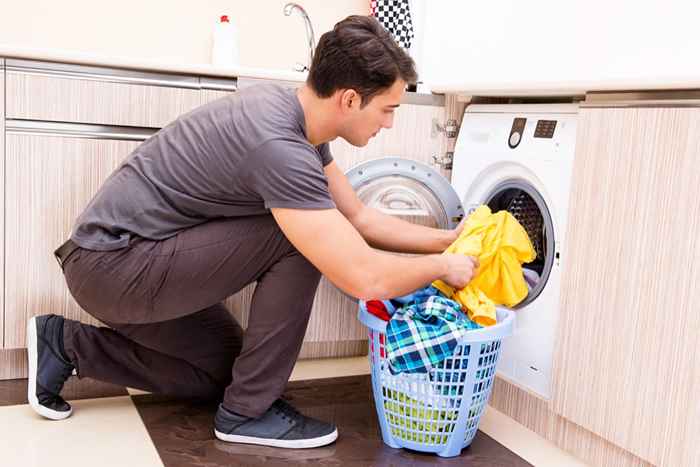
(33, 363)
(280, 443)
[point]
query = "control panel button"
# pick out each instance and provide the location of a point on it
(514, 139)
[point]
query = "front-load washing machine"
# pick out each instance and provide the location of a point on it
(520, 158)
(515, 157)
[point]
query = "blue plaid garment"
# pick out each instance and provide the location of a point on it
(425, 331)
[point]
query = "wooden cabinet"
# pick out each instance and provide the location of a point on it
(626, 366)
(2, 200)
(50, 180)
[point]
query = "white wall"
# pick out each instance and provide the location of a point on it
(176, 30)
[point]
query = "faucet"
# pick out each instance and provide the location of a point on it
(288, 9)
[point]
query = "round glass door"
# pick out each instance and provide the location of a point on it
(404, 198)
(408, 190)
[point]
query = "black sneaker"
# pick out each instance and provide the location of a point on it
(282, 426)
(49, 368)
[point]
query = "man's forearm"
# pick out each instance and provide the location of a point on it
(393, 234)
(416, 272)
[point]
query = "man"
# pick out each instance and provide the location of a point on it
(240, 190)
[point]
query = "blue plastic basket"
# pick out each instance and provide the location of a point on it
(438, 411)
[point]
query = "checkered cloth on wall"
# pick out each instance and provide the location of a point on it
(395, 16)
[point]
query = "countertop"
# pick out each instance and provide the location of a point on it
(9, 51)
(202, 69)
(564, 87)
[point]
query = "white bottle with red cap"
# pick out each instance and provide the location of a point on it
(224, 52)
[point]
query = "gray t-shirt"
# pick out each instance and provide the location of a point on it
(237, 156)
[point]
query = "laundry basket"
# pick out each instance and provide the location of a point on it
(438, 411)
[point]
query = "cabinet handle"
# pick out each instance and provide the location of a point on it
(78, 130)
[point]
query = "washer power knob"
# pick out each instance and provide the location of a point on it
(516, 132)
(514, 139)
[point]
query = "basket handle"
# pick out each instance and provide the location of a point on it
(503, 328)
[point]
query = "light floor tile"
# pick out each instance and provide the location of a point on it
(101, 432)
(136, 392)
(330, 368)
(525, 442)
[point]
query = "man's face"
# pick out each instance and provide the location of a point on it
(364, 123)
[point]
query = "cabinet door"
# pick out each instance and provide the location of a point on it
(2, 194)
(49, 182)
(626, 365)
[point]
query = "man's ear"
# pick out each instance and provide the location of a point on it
(349, 98)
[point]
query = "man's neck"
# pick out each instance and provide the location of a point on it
(318, 116)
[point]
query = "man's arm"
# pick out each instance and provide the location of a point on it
(327, 239)
(381, 230)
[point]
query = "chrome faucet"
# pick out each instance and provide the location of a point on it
(311, 39)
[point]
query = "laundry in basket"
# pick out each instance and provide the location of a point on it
(424, 332)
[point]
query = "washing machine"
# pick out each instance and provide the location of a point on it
(515, 157)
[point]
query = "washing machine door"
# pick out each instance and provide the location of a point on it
(407, 189)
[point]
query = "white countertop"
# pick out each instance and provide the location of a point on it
(565, 87)
(469, 84)
(202, 69)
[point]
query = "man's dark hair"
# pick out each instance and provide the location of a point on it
(359, 54)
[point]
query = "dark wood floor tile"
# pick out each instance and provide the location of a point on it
(182, 432)
(14, 391)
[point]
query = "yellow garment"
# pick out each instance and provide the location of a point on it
(501, 245)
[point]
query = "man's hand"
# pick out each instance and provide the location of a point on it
(458, 230)
(460, 270)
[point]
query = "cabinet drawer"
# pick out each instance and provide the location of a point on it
(71, 93)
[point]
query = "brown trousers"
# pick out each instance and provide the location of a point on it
(169, 332)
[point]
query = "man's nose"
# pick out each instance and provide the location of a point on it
(389, 122)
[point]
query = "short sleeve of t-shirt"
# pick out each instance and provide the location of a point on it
(289, 174)
(325, 151)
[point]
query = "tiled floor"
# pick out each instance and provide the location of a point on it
(113, 427)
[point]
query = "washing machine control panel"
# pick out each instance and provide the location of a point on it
(545, 128)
